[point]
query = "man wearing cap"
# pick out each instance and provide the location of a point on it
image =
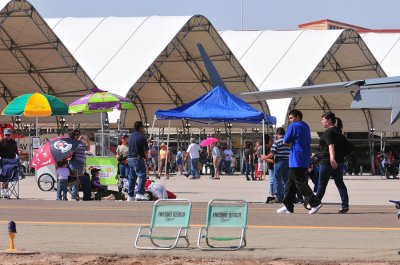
(194, 152)
(77, 164)
(8, 154)
(137, 159)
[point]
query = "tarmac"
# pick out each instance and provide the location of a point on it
(369, 232)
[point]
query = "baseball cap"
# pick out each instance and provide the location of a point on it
(7, 131)
(124, 135)
(94, 170)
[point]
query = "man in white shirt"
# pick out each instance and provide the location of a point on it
(228, 157)
(194, 152)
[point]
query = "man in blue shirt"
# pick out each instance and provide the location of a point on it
(137, 159)
(298, 136)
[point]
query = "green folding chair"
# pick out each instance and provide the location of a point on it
(169, 222)
(224, 217)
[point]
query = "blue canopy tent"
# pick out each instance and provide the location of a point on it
(218, 105)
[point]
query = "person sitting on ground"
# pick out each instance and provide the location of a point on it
(95, 181)
(62, 180)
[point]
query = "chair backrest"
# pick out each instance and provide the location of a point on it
(227, 213)
(171, 213)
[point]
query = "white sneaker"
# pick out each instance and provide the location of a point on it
(130, 199)
(141, 197)
(6, 194)
(283, 210)
(315, 209)
(2, 193)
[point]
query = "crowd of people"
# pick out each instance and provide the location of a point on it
(287, 160)
(294, 164)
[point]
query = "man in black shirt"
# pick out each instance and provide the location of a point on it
(137, 159)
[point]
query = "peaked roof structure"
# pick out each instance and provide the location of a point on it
(152, 60)
(282, 59)
(215, 106)
(33, 59)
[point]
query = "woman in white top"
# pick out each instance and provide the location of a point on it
(122, 156)
(216, 154)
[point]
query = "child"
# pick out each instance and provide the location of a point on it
(62, 179)
(95, 180)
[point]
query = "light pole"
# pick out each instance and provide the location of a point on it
(62, 122)
(146, 126)
(229, 126)
(18, 122)
(372, 150)
(187, 126)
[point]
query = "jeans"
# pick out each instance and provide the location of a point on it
(325, 172)
(62, 185)
(281, 174)
(123, 170)
(227, 167)
(84, 182)
(137, 169)
(271, 176)
(249, 169)
(193, 167)
(298, 180)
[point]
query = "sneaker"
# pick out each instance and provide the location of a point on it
(315, 209)
(283, 210)
(130, 199)
(186, 175)
(275, 201)
(2, 193)
(6, 194)
(269, 199)
(343, 210)
(141, 197)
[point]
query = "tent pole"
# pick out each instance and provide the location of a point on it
(264, 146)
(168, 152)
(152, 126)
(101, 136)
(37, 122)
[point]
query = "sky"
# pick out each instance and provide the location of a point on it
(226, 14)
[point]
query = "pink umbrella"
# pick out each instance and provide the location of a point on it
(208, 141)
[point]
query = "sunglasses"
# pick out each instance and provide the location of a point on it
(7, 134)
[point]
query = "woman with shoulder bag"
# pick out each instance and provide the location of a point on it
(122, 156)
(331, 146)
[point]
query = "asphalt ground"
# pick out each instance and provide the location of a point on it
(369, 232)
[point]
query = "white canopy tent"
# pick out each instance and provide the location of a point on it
(33, 59)
(152, 60)
(282, 59)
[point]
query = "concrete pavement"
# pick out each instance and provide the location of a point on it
(369, 232)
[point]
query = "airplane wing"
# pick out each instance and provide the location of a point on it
(358, 86)
(323, 89)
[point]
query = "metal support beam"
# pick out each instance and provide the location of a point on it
(322, 103)
(196, 22)
(168, 88)
(25, 63)
(62, 51)
(5, 93)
